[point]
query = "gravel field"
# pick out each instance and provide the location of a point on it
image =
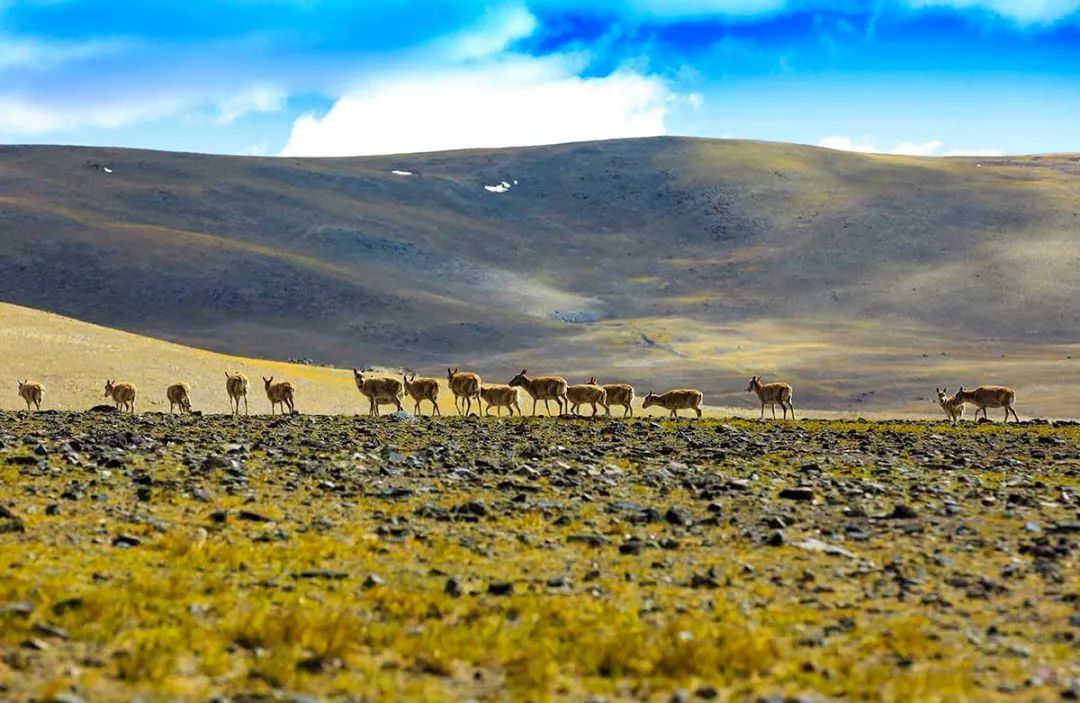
(348, 558)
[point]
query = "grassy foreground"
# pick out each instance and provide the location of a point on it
(162, 558)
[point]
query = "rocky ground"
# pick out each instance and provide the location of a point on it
(341, 558)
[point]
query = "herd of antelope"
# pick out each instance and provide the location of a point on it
(468, 388)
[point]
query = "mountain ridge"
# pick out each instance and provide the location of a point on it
(814, 257)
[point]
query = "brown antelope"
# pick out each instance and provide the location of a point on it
(770, 394)
(676, 400)
(500, 396)
(985, 397)
(619, 394)
(177, 394)
(465, 386)
(280, 393)
(951, 405)
(587, 393)
(379, 390)
(123, 394)
(545, 388)
(236, 385)
(31, 393)
(422, 389)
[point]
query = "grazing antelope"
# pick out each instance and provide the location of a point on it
(770, 394)
(236, 385)
(500, 396)
(177, 394)
(378, 390)
(676, 400)
(619, 394)
(985, 397)
(31, 393)
(280, 393)
(123, 394)
(545, 388)
(952, 405)
(587, 393)
(422, 389)
(465, 386)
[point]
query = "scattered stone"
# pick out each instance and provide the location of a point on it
(126, 540)
(903, 512)
(500, 588)
(800, 493)
(10, 522)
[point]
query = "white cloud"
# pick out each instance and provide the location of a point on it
(34, 54)
(497, 30)
(512, 102)
(1020, 11)
(259, 98)
(930, 148)
(259, 149)
(848, 144)
(676, 9)
(21, 116)
(934, 147)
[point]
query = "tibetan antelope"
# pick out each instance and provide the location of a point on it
(280, 393)
(31, 393)
(123, 394)
(985, 397)
(676, 400)
(545, 388)
(770, 394)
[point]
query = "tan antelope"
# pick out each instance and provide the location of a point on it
(545, 388)
(951, 405)
(123, 394)
(676, 400)
(770, 394)
(587, 393)
(619, 394)
(378, 390)
(236, 385)
(500, 396)
(31, 393)
(422, 389)
(465, 386)
(178, 395)
(985, 397)
(280, 393)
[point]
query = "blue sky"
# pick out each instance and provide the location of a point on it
(328, 77)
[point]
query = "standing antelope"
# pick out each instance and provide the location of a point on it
(280, 393)
(985, 397)
(31, 393)
(676, 400)
(123, 394)
(952, 405)
(619, 394)
(770, 394)
(236, 385)
(590, 393)
(422, 389)
(465, 386)
(177, 394)
(500, 397)
(543, 388)
(378, 390)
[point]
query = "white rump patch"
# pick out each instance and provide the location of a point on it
(106, 169)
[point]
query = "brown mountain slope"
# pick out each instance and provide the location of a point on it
(662, 261)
